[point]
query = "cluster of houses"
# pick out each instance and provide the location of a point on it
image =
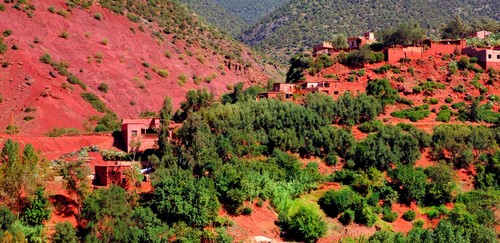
(487, 57)
(287, 91)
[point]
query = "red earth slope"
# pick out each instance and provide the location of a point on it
(26, 82)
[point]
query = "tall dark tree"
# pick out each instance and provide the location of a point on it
(456, 28)
(163, 137)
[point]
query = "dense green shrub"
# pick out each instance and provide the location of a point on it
(347, 217)
(414, 114)
(336, 202)
(95, 101)
(410, 215)
(306, 225)
(382, 90)
(370, 126)
(64, 233)
(389, 145)
(103, 87)
(389, 215)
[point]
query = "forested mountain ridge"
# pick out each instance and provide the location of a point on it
(233, 16)
(217, 15)
(299, 24)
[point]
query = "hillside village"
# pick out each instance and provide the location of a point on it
(486, 57)
(170, 131)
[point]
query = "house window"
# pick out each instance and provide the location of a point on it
(489, 56)
(134, 132)
(498, 56)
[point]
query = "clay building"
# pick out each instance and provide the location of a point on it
(487, 58)
(481, 34)
(323, 48)
(111, 174)
(355, 42)
(426, 47)
(143, 130)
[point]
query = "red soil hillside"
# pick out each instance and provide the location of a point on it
(128, 56)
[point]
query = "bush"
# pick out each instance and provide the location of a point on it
(371, 126)
(389, 215)
(163, 73)
(417, 89)
(448, 100)
(246, 211)
(98, 16)
(7, 33)
(306, 225)
(64, 34)
(331, 159)
(336, 202)
(103, 87)
(347, 217)
(74, 80)
(433, 101)
(444, 115)
(46, 58)
(414, 113)
(105, 41)
(410, 215)
(95, 102)
(460, 88)
(58, 132)
(64, 233)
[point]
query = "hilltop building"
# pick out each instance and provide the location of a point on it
(394, 54)
(356, 42)
(323, 48)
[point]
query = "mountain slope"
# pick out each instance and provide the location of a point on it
(164, 50)
(251, 11)
(233, 16)
(301, 23)
(217, 15)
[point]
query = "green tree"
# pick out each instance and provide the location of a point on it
(410, 182)
(440, 189)
(108, 215)
(75, 180)
(163, 137)
(404, 34)
(64, 233)
(340, 42)
(178, 196)
(38, 209)
(382, 90)
(20, 173)
(456, 28)
(306, 225)
(298, 64)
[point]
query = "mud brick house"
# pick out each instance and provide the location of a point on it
(355, 42)
(427, 47)
(143, 130)
(287, 91)
(487, 58)
(111, 174)
(323, 48)
(481, 34)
